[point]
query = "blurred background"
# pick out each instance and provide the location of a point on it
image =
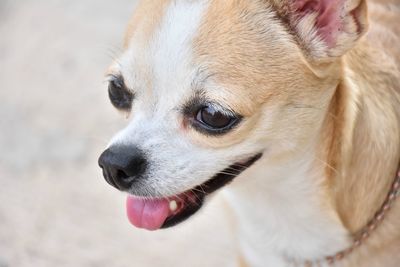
(55, 119)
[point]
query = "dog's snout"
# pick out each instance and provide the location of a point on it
(122, 165)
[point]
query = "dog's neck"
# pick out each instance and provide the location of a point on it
(324, 195)
(278, 211)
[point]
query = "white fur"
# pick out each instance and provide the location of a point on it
(176, 165)
(280, 212)
(295, 224)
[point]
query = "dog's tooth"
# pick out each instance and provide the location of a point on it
(173, 206)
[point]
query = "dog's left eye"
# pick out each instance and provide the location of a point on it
(213, 120)
(120, 96)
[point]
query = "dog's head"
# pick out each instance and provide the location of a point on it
(213, 86)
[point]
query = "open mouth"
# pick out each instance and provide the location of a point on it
(159, 213)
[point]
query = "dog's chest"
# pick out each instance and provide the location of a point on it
(281, 216)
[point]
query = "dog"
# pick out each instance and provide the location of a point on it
(289, 108)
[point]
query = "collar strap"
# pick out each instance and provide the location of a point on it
(362, 236)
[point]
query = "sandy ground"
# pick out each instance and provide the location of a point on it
(55, 119)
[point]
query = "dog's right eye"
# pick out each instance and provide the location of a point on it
(120, 96)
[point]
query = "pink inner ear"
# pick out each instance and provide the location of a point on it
(329, 19)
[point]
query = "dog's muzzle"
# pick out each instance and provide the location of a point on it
(123, 166)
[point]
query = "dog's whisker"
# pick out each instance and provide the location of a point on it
(228, 173)
(180, 198)
(201, 190)
(321, 161)
(327, 165)
(113, 52)
(238, 170)
(195, 195)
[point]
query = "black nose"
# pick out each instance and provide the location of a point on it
(122, 165)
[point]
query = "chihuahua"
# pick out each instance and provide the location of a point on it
(292, 107)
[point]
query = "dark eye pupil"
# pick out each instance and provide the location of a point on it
(119, 95)
(213, 118)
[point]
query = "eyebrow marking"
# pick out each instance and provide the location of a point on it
(201, 76)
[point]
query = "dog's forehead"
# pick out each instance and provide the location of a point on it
(158, 58)
(173, 44)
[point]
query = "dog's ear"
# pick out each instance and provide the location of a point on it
(324, 28)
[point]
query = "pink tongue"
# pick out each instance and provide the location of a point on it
(147, 214)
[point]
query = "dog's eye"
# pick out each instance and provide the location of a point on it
(215, 121)
(120, 96)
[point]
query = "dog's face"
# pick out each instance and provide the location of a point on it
(211, 87)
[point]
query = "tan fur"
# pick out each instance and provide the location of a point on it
(347, 95)
(249, 61)
(372, 158)
(362, 147)
(242, 262)
(145, 20)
